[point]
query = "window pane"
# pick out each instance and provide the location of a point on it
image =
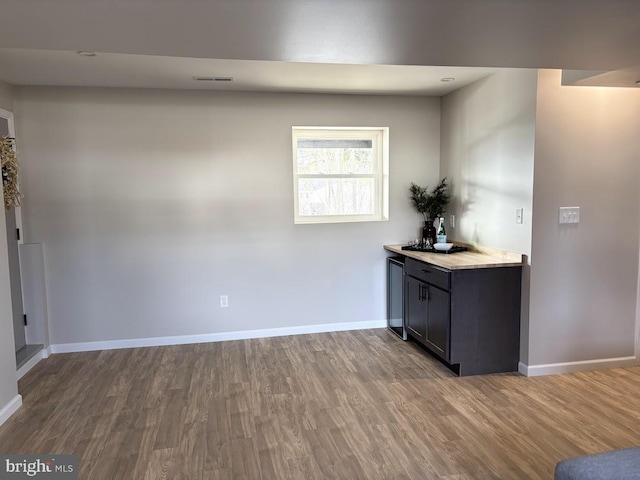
(333, 143)
(331, 156)
(336, 196)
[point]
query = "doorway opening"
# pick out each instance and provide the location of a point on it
(13, 229)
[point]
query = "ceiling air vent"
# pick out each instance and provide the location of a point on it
(213, 79)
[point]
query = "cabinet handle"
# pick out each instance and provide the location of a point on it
(424, 289)
(428, 292)
(424, 270)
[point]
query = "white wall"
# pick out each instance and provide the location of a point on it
(6, 96)
(151, 204)
(487, 152)
(487, 141)
(9, 399)
(584, 277)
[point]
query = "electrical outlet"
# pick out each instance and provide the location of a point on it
(224, 301)
(452, 221)
(569, 215)
(519, 212)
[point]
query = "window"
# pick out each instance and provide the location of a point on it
(340, 174)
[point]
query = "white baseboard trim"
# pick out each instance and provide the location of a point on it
(10, 408)
(569, 367)
(23, 370)
(214, 337)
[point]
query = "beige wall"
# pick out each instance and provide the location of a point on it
(487, 140)
(151, 204)
(584, 277)
(8, 383)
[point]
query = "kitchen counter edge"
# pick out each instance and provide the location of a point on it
(488, 258)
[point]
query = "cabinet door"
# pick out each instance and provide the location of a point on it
(415, 304)
(438, 321)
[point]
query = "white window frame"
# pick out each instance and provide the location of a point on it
(380, 138)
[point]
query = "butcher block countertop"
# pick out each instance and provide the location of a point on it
(475, 257)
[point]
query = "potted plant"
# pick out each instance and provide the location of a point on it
(431, 206)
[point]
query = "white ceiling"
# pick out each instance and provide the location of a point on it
(624, 77)
(64, 68)
(297, 43)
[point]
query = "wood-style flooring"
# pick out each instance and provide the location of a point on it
(347, 405)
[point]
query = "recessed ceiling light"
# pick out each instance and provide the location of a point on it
(213, 79)
(84, 53)
(447, 79)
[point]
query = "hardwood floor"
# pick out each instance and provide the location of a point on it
(347, 405)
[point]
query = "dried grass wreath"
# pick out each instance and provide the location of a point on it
(9, 173)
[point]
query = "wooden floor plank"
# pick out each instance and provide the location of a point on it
(344, 405)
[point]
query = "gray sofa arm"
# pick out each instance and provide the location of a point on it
(615, 465)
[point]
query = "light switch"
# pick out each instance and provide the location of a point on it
(569, 215)
(519, 215)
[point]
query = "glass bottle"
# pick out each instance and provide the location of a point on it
(442, 232)
(428, 235)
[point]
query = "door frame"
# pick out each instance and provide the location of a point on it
(8, 116)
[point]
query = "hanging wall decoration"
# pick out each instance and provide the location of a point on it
(9, 173)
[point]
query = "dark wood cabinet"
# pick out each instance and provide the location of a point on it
(415, 308)
(427, 314)
(470, 318)
(438, 321)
